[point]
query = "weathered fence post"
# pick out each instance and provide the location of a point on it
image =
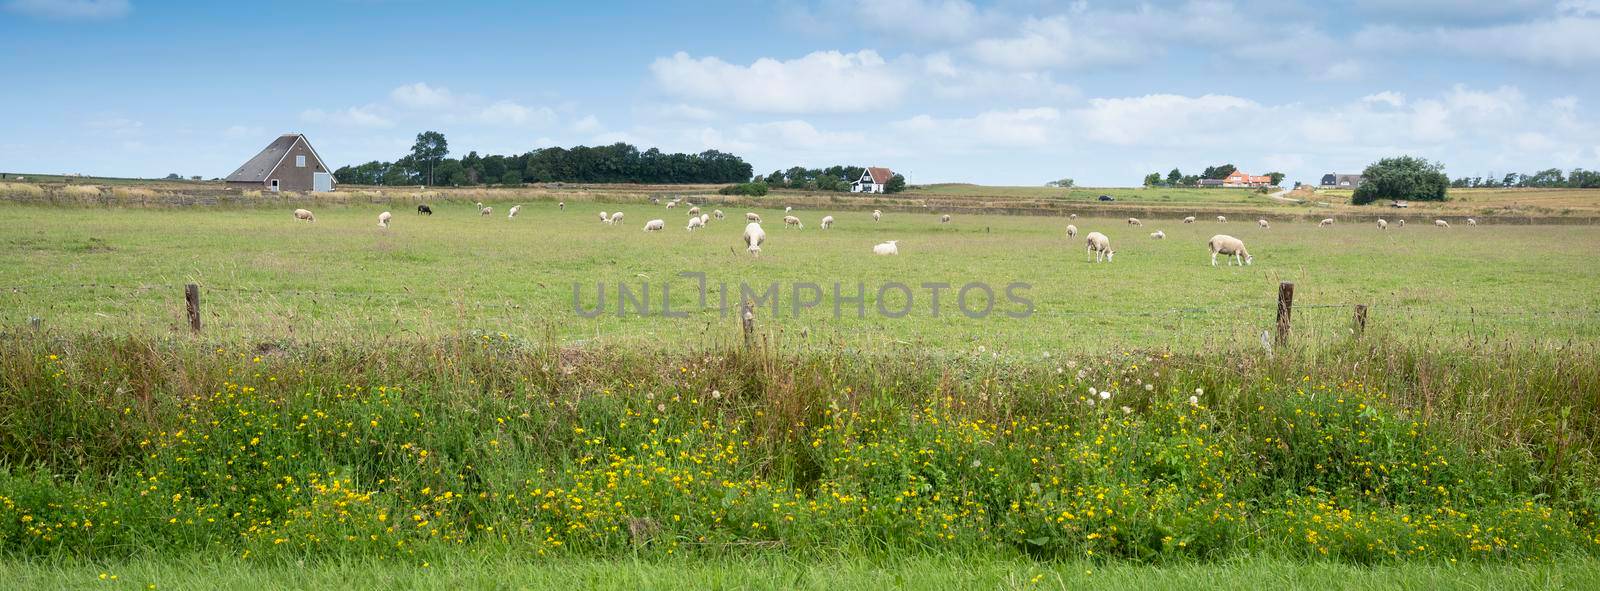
(747, 318)
(191, 297)
(1285, 310)
(1361, 319)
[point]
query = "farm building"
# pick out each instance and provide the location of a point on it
(1341, 181)
(873, 180)
(1208, 183)
(289, 163)
(1239, 178)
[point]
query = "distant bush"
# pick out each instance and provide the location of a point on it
(750, 189)
(1404, 177)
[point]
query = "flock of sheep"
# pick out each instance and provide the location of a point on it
(1097, 245)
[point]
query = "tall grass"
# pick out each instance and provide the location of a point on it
(1362, 453)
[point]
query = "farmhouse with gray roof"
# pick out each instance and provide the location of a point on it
(289, 163)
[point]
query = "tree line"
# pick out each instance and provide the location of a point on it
(1549, 178)
(1176, 178)
(428, 164)
(838, 177)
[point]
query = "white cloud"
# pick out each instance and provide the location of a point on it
(820, 82)
(1387, 97)
(1170, 119)
(363, 116)
(588, 124)
(1051, 43)
(419, 95)
(923, 19)
(990, 129)
(71, 9)
(511, 113)
(1565, 41)
(800, 135)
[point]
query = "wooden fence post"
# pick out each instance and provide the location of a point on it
(191, 297)
(1361, 319)
(1285, 311)
(747, 318)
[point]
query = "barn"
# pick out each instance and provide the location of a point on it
(289, 163)
(873, 180)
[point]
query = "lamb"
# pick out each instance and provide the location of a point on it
(1441, 223)
(1188, 220)
(655, 225)
(704, 219)
(1402, 223)
(1472, 222)
(672, 204)
(605, 218)
(1072, 230)
(484, 209)
(1222, 219)
(944, 219)
(561, 205)
(1383, 224)
(1158, 235)
(616, 218)
(1072, 217)
(753, 217)
(513, 213)
(1135, 222)
(887, 248)
(790, 221)
(753, 237)
(383, 219)
(1099, 245)
(304, 214)
(1263, 223)
(694, 210)
(1230, 246)
(695, 222)
(827, 222)
(717, 214)
(1325, 223)
(424, 209)
(877, 215)
(788, 209)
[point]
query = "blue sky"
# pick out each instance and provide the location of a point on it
(1009, 92)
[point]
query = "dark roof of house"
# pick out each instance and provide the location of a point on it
(256, 169)
(879, 174)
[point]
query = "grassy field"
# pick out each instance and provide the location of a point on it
(266, 276)
(1092, 194)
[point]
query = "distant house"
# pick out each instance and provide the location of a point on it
(1341, 181)
(1239, 178)
(873, 180)
(289, 163)
(1208, 183)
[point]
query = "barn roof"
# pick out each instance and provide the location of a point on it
(879, 174)
(256, 169)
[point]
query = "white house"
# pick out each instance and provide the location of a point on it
(873, 180)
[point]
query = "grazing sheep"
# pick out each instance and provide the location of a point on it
(1072, 230)
(1231, 247)
(484, 209)
(1188, 220)
(1072, 217)
(1402, 223)
(304, 214)
(753, 237)
(752, 217)
(1222, 219)
(827, 222)
(513, 213)
(695, 222)
(616, 218)
(672, 204)
(383, 219)
(877, 215)
(1441, 223)
(704, 219)
(694, 210)
(1158, 235)
(944, 219)
(1383, 224)
(561, 205)
(717, 214)
(1472, 222)
(1325, 223)
(790, 221)
(890, 247)
(788, 209)
(655, 225)
(1135, 222)
(655, 200)
(424, 209)
(605, 218)
(1263, 223)
(1098, 245)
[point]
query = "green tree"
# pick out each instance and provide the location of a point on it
(896, 184)
(1403, 177)
(1277, 178)
(1175, 177)
(1062, 183)
(1152, 180)
(429, 149)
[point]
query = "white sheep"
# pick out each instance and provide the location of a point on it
(672, 204)
(1188, 220)
(1072, 230)
(705, 219)
(696, 222)
(605, 218)
(1135, 222)
(752, 217)
(304, 214)
(1472, 222)
(1441, 223)
(717, 214)
(694, 210)
(1325, 223)
(1402, 223)
(513, 213)
(655, 225)
(827, 222)
(753, 237)
(1158, 235)
(788, 209)
(944, 219)
(1263, 223)
(1383, 224)
(1072, 216)
(1229, 246)
(877, 215)
(561, 205)
(1222, 219)
(616, 217)
(383, 219)
(484, 209)
(1099, 245)
(890, 247)
(790, 221)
